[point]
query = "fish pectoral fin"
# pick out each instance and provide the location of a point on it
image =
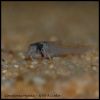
(45, 53)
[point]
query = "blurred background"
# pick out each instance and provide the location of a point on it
(75, 76)
(26, 22)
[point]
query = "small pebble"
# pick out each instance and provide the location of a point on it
(16, 66)
(34, 62)
(88, 58)
(4, 71)
(39, 80)
(94, 68)
(32, 66)
(51, 66)
(21, 55)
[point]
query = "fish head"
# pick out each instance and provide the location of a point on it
(33, 52)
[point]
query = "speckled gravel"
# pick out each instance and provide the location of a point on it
(59, 71)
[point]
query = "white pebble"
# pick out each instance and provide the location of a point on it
(31, 66)
(4, 71)
(34, 62)
(51, 66)
(16, 66)
(39, 80)
(94, 68)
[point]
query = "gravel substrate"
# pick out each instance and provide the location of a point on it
(74, 76)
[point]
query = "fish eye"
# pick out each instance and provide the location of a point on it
(39, 46)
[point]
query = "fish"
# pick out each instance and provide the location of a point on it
(49, 49)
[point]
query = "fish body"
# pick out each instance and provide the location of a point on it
(47, 49)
